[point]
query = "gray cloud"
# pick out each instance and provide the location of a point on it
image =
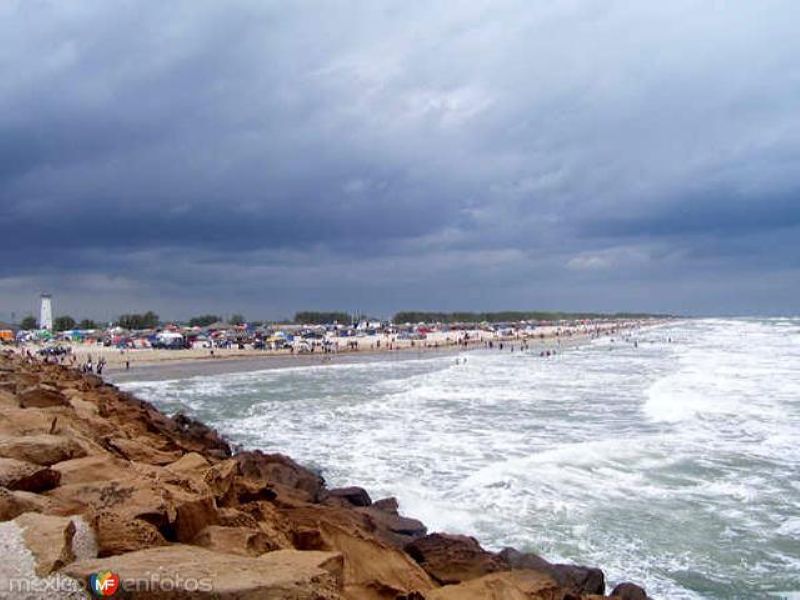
(261, 157)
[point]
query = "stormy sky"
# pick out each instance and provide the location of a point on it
(264, 157)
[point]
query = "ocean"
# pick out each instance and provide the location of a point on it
(672, 462)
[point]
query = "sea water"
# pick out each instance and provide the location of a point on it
(673, 461)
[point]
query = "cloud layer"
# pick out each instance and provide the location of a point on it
(262, 157)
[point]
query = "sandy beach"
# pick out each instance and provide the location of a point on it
(122, 365)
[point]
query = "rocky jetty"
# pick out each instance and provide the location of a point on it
(94, 480)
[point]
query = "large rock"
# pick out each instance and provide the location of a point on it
(373, 570)
(140, 451)
(28, 477)
(118, 533)
(577, 579)
(184, 572)
(92, 468)
(392, 527)
(43, 449)
(509, 585)
(279, 474)
(194, 515)
(235, 540)
(178, 513)
(347, 496)
(49, 539)
(452, 559)
(14, 503)
(41, 396)
(629, 591)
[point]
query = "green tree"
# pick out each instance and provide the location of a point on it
(63, 323)
(310, 317)
(237, 319)
(87, 324)
(203, 320)
(29, 322)
(148, 320)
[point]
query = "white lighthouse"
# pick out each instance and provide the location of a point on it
(46, 313)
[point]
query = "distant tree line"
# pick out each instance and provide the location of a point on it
(309, 317)
(60, 323)
(203, 320)
(504, 316)
(148, 320)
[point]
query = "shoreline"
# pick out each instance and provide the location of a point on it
(179, 364)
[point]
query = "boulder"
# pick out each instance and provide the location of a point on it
(49, 539)
(180, 571)
(450, 559)
(372, 569)
(28, 477)
(244, 541)
(233, 517)
(199, 437)
(629, 591)
(41, 396)
(42, 449)
(7, 397)
(95, 467)
(14, 503)
(221, 481)
(192, 516)
(348, 496)
(393, 528)
(132, 497)
(140, 451)
(190, 464)
(280, 474)
(117, 533)
(577, 579)
(509, 585)
(389, 505)
(25, 421)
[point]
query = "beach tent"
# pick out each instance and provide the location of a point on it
(8, 332)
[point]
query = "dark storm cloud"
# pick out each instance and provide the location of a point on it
(575, 154)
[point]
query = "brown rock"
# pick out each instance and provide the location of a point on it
(7, 397)
(190, 464)
(576, 579)
(96, 467)
(629, 591)
(184, 572)
(350, 496)
(233, 517)
(25, 476)
(41, 396)
(393, 528)
(14, 503)
(509, 585)
(41, 449)
(235, 540)
(221, 479)
(454, 558)
(117, 533)
(140, 451)
(389, 505)
(49, 539)
(194, 515)
(373, 570)
(280, 474)
(132, 497)
(199, 437)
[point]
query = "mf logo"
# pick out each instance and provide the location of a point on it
(104, 583)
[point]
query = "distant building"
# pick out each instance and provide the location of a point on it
(46, 313)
